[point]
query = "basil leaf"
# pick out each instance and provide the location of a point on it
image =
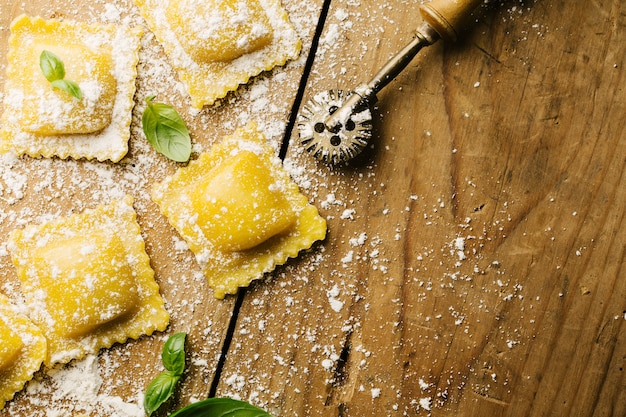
(69, 87)
(173, 354)
(51, 66)
(159, 391)
(162, 387)
(54, 71)
(166, 131)
(220, 407)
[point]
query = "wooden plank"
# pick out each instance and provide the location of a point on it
(33, 190)
(475, 258)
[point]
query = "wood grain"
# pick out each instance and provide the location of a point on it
(475, 258)
(491, 281)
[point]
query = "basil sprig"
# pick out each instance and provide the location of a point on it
(220, 407)
(166, 130)
(54, 71)
(162, 387)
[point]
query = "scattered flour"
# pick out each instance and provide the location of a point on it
(77, 387)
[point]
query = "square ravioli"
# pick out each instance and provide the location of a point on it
(217, 45)
(22, 350)
(41, 121)
(239, 211)
(87, 280)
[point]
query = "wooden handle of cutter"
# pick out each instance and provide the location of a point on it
(448, 17)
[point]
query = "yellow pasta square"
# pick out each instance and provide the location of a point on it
(217, 45)
(239, 211)
(22, 350)
(41, 121)
(87, 280)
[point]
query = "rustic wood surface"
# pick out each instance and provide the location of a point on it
(475, 258)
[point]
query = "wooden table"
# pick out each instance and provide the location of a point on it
(475, 259)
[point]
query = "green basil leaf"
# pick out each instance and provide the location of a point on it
(54, 71)
(220, 407)
(69, 87)
(173, 354)
(159, 391)
(51, 66)
(166, 131)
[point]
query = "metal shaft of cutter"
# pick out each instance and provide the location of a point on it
(337, 126)
(365, 94)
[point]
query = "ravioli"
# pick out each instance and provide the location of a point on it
(41, 121)
(239, 211)
(22, 350)
(87, 280)
(217, 45)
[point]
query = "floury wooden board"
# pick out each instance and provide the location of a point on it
(474, 263)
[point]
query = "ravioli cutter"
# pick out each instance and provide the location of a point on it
(336, 125)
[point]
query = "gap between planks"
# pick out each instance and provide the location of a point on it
(293, 116)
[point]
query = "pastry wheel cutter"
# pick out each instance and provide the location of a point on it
(336, 125)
